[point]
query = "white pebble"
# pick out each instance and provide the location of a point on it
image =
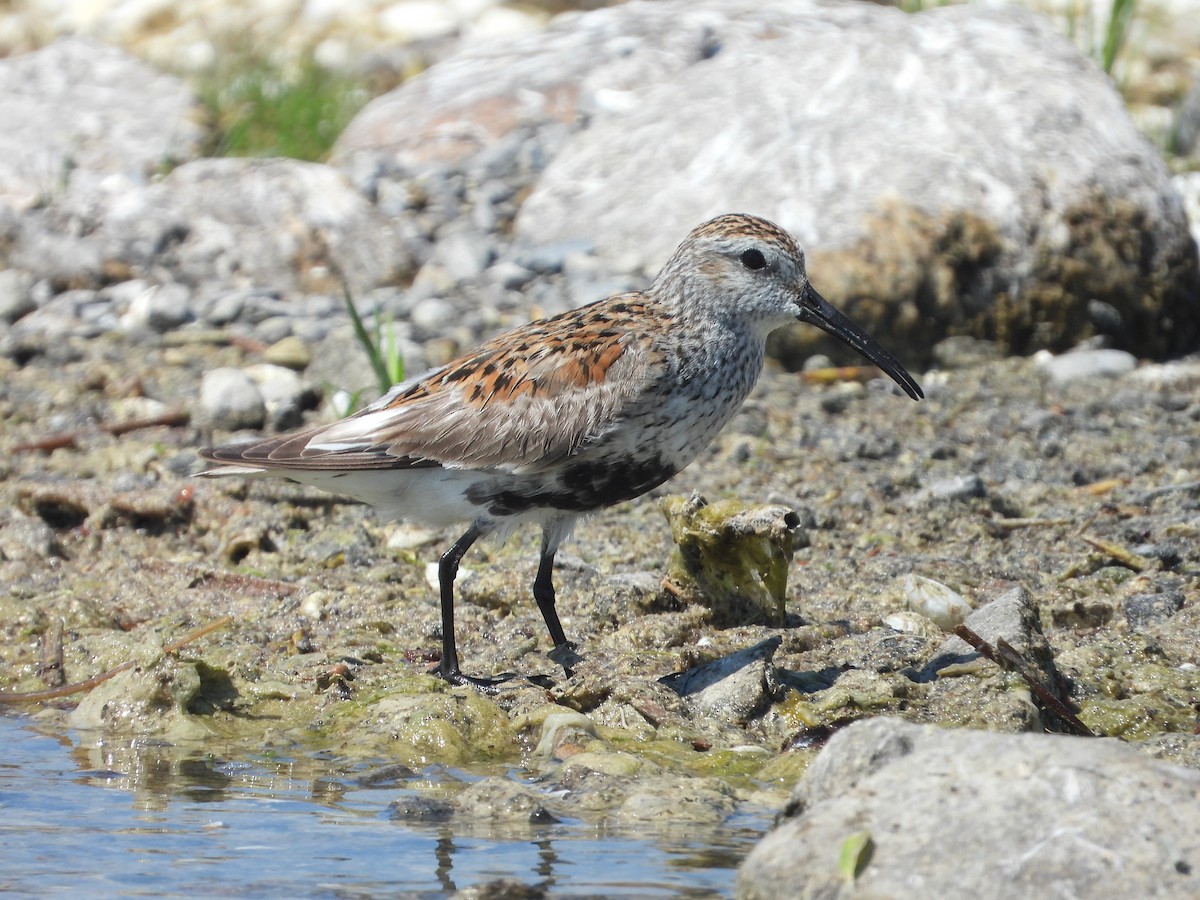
(277, 385)
(431, 576)
(314, 605)
(230, 400)
(1178, 374)
(409, 537)
(1080, 365)
(418, 20)
(158, 307)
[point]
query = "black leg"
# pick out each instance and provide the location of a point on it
(447, 572)
(543, 592)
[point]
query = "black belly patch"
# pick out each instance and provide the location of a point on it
(582, 487)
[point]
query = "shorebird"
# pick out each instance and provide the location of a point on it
(567, 415)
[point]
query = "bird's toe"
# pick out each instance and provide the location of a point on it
(564, 654)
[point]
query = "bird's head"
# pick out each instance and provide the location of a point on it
(746, 269)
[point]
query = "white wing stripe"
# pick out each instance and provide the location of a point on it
(354, 433)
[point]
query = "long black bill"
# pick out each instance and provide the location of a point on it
(816, 310)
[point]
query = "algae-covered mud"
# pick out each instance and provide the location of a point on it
(811, 587)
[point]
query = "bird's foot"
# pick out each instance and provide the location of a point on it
(487, 684)
(564, 654)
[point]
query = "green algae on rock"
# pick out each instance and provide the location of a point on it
(732, 557)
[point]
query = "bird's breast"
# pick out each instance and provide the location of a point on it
(644, 446)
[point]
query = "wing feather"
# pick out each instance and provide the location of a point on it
(520, 403)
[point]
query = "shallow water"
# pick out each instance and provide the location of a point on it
(141, 818)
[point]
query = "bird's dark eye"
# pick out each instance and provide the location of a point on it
(753, 259)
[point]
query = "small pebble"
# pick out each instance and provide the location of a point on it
(418, 20)
(159, 308)
(283, 393)
(230, 400)
(464, 255)
(1144, 610)
(27, 537)
(225, 308)
(410, 537)
(289, 352)
(1179, 374)
(273, 329)
(509, 275)
(275, 384)
(956, 487)
(127, 409)
(16, 295)
(434, 315)
(962, 351)
(1082, 365)
(838, 399)
(432, 579)
(415, 808)
(548, 259)
(314, 605)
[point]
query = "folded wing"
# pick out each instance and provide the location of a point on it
(519, 403)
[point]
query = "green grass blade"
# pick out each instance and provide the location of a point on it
(1120, 15)
(369, 347)
(393, 358)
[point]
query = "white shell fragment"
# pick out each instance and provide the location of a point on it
(909, 622)
(934, 601)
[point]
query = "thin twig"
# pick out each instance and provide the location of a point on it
(172, 418)
(46, 444)
(1118, 553)
(68, 689)
(215, 337)
(1105, 486)
(179, 643)
(1027, 523)
(65, 690)
(237, 581)
(1006, 657)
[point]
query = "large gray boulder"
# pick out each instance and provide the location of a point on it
(78, 110)
(960, 171)
(216, 225)
(98, 183)
(975, 814)
(583, 63)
